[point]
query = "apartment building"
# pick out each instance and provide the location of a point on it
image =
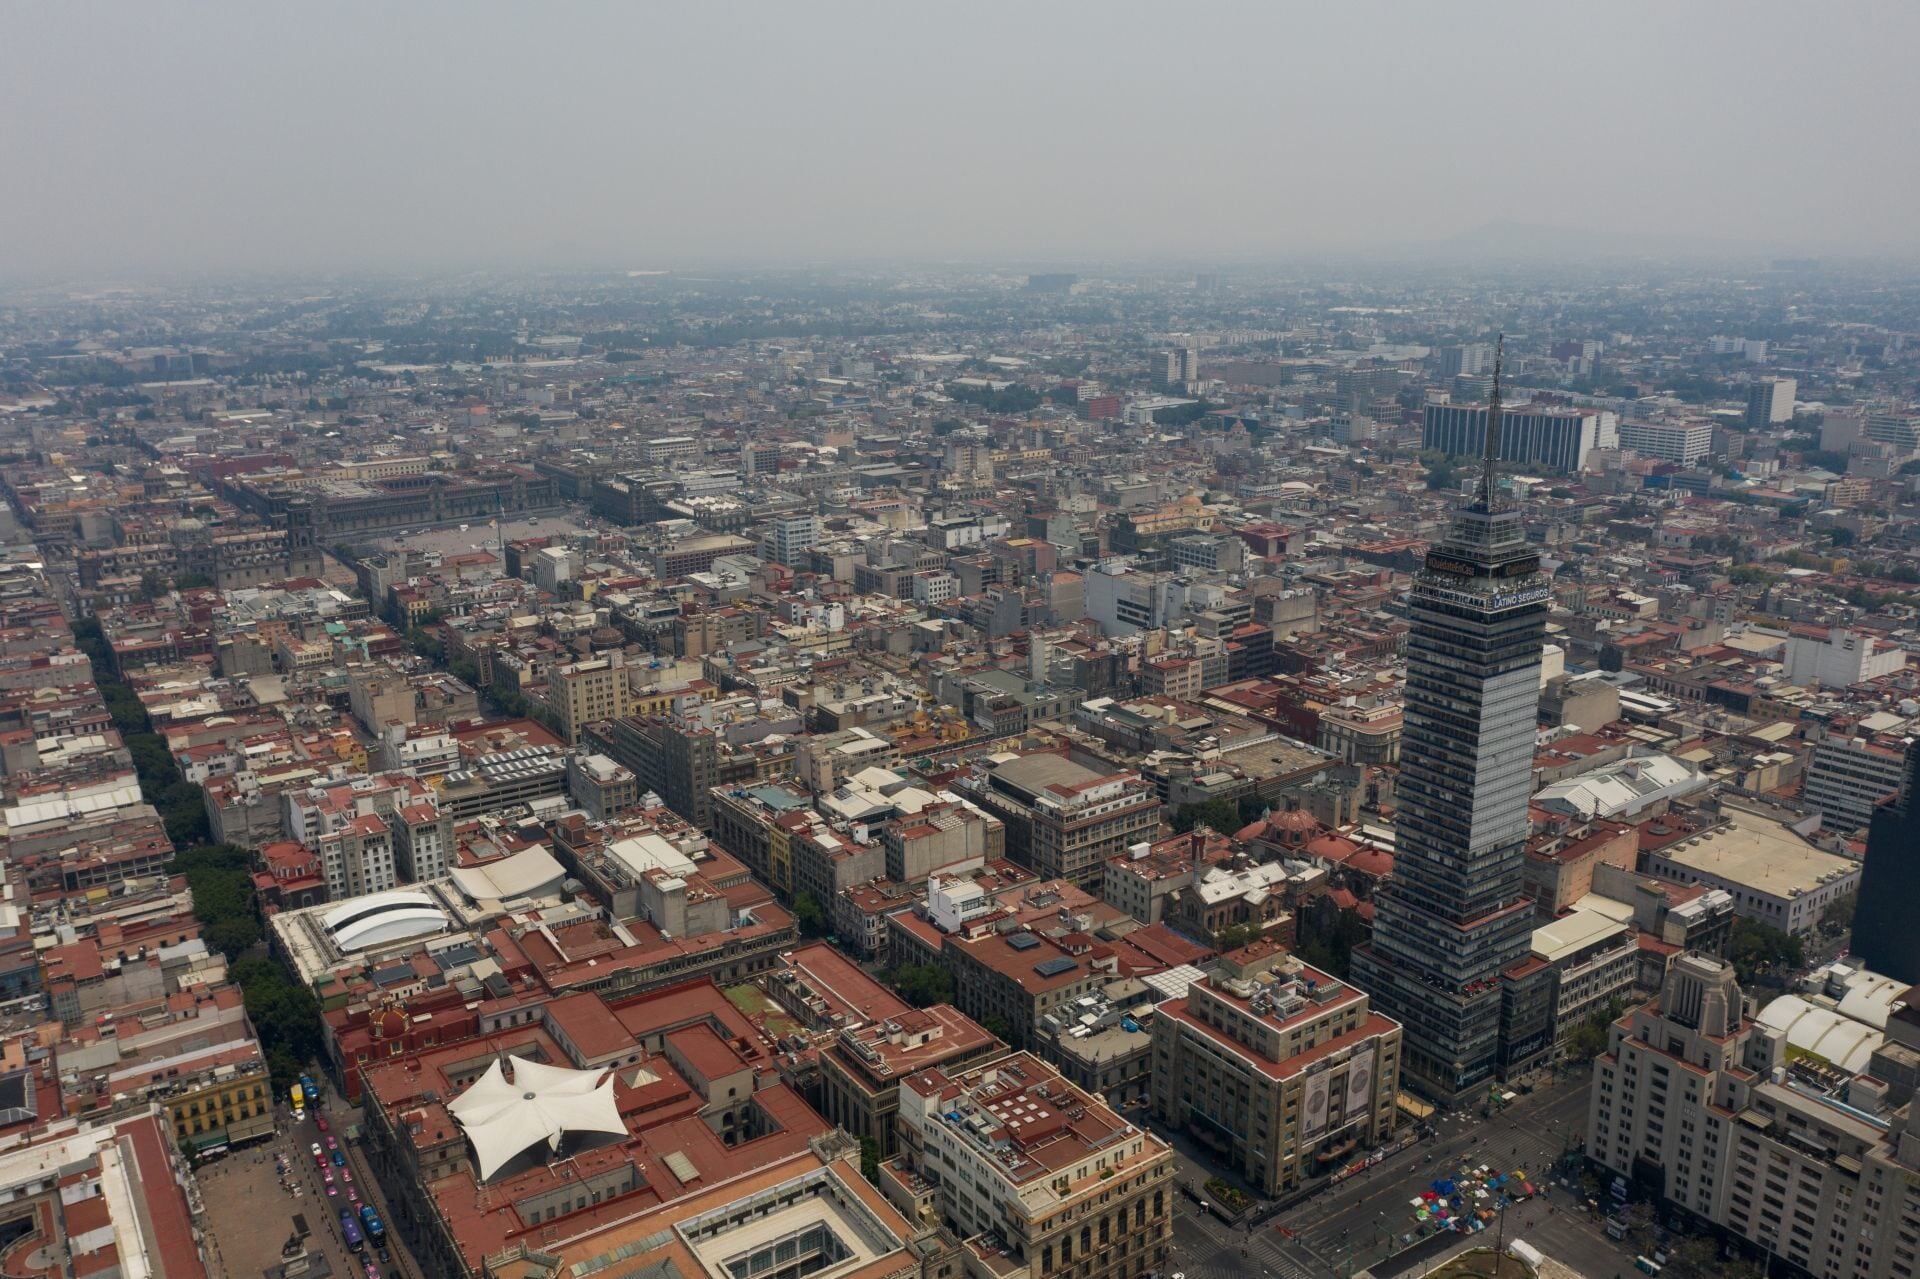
(583, 692)
(423, 841)
(861, 1070)
(1033, 1172)
(1849, 776)
(1682, 442)
(941, 834)
(1770, 401)
(1282, 1076)
(1064, 820)
(357, 858)
(1704, 1109)
(1008, 981)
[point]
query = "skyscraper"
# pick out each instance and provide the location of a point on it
(1770, 400)
(1883, 933)
(1455, 919)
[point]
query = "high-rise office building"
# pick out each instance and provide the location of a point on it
(1452, 929)
(1470, 359)
(1883, 933)
(1682, 442)
(1896, 427)
(1560, 439)
(1770, 400)
(1183, 366)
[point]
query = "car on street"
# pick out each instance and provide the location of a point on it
(339, 1160)
(316, 1150)
(320, 1122)
(331, 1143)
(333, 1191)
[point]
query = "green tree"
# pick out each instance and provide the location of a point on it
(1837, 917)
(427, 644)
(1234, 936)
(870, 1159)
(811, 916)
(921, 985)
(1693, 1257)
(1182, 414)
(1589, 1039)
(1220, 814)
(286, 1015)
(996, 1025)
(1757, 948)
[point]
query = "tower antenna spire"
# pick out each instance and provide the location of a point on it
(1491, 453)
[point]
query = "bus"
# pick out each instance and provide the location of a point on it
(370, 1222)
(351, 1229)
(299, 1102)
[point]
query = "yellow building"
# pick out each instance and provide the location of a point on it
(223, 1108)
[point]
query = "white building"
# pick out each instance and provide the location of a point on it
(1124, 601)
(1848, 777)
(1682, 442)
(553, 565)
(788, 537)
(1794, 1153)
(1623, 789)
(1844, 657)
(1773, 875)
(1769, 401)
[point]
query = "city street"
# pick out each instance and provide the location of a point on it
(252, 1213)
(1345, 1230)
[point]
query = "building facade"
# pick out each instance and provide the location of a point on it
(1283, 1078)
(1016, 1159)
(1558, 439)
(1456, 916)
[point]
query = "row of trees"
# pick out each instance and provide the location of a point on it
(1008, 399)
(222, 895)
(182, 806)
(284, 1014)
(1223, 815)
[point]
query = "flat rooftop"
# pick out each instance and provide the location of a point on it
(1760, 854)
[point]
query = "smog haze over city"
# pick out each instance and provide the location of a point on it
(920, 641)
(237, 138)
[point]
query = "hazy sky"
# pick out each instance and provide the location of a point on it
(261, 136)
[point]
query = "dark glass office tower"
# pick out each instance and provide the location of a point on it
(1884, 934)
(1455, 917)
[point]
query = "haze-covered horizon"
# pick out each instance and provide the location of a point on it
(237, 139)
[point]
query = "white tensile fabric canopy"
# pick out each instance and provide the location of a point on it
(542, 1103)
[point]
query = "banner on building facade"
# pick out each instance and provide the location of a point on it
(1360, 1083)
(1319, 1095)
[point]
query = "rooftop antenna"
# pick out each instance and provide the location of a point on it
(1491, 453)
